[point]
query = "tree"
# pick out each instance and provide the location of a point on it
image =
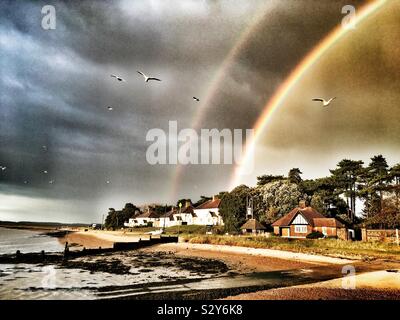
(324, 195)
(267, 178)
(346, 176)
(394, 176)
(201, 201)
(388, 217)
(115, 219)
(279, 197)
(294, 175)
(233, 208)
(183, 201)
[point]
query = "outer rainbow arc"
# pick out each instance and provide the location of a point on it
(296, 75)
(212, 88)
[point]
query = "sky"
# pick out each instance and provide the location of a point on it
(56, 87)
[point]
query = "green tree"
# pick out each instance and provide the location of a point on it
(233, 208)
(294, 175)
(115, 219)
(183, 201)
(267, 178)
(345, 177)
(202, 200)
(279, 197)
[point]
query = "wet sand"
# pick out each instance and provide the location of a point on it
(240, 263)
(376, 285)
(373, 281)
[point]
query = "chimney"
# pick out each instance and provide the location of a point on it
(302, 204)
(214, 198)
(188, 203)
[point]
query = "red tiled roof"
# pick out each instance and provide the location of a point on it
(210, 204)
(188, 209)
(252, 224)
(308, 213)
(148, 214)
(328, 222)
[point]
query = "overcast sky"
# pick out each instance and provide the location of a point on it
(56, 86)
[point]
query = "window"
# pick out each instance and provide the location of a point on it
(300, 229)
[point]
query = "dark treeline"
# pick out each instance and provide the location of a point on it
(376, 184)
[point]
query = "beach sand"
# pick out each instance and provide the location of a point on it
(374, 285)
(97, 238)
(372, 279)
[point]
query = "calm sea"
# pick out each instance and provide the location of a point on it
(12, 240)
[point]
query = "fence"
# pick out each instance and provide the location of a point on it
(382, 235)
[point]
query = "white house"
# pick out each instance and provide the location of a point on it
(208, 213)
(165, 220)
(143, 219)
(185, 216)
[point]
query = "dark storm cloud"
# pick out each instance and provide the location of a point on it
(56, 85)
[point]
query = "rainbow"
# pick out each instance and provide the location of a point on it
(290, 82)
(280, 95)
(213, 86)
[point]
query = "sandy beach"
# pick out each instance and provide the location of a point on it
(374, 285)
(373, 281)
(96, 238)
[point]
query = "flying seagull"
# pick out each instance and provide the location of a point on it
(3, 168)
(324, 102)
(110, 108)
(51, 181)
(196, 99)
(147, 78)
(45, 171)
(44, 148)
(118, 78)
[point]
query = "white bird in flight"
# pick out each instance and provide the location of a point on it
(196, 99)
(324, 102)
(51, 181)
(148, 78)
(45, 171)
(110, 108)
(3, 168)
(118, 78)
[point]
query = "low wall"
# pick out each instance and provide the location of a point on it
(382, 235)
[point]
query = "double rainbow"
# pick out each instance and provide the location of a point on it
(282, 92)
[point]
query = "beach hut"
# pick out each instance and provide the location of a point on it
(252, 226)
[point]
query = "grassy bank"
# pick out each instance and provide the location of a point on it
(332, 247)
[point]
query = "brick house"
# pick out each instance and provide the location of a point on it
(303, 220)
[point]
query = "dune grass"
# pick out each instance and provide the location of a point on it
(332, 247)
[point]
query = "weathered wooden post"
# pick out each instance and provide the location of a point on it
(397, 236)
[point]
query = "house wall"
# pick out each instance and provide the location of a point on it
(204, 217)
(382, 235)
(330, 231)
(276, 231)
(299, 235)
(183, 217)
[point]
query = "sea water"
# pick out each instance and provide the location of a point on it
(26, 241)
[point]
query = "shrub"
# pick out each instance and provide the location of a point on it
(315, 235)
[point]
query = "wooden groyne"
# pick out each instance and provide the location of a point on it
(43, 257)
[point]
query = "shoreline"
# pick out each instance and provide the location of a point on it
(373, 279)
